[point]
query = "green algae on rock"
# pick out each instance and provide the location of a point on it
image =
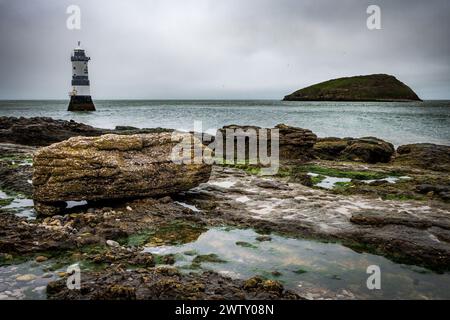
(172, 233)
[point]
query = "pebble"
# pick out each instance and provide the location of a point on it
(86, 234)
(311, 296)
(263, 238)
(112, 243)
(56, 223)
(8, 256)
(17, 293)
(129, 208)
(41, 259)
(166, 199)
(37, 289)
(26, 277)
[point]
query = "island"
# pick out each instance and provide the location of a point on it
(374, 87)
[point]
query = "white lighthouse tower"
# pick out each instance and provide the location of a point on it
(80, 96)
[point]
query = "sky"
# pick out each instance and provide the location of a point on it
(220, 49)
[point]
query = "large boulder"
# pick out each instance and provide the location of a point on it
(367, 149)
(425, 156)
(112, 167)
(294, 143)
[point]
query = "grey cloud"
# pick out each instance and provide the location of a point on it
(220, 49)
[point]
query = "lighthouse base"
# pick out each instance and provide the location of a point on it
(81, 103)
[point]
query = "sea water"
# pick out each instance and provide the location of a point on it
(397, 122)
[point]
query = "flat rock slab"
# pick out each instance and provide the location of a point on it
(43, 131)
(112, 167)
(410, 231)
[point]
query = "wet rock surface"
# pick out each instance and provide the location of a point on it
(87, 226)
(404, 230)
(386, 181)
(168, 283)
(20, 236)
(424, 155)
(367, 149)
(122, 271)
(397, 210)
(16, 168)
(411, 231)
(43, 131)
(111, 167)
(294, 143)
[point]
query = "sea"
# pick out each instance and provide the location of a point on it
(397, 122)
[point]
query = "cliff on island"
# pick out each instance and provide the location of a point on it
(375, 87)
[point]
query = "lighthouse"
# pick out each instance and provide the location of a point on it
(80, 95)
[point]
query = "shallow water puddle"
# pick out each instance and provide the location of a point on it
(314, 269)
(329, 182)
(389, 179)
(26, 280)
(19, 205)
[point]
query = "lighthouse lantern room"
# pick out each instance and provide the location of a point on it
(80, 95)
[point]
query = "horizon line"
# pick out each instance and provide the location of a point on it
(205, 99)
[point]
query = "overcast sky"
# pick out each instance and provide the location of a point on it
(213, 49)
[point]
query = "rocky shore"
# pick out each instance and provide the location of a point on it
(358, 192)
(42, 131)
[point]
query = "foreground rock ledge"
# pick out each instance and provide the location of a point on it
(111, 167)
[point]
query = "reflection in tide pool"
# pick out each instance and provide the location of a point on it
(314, 269)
